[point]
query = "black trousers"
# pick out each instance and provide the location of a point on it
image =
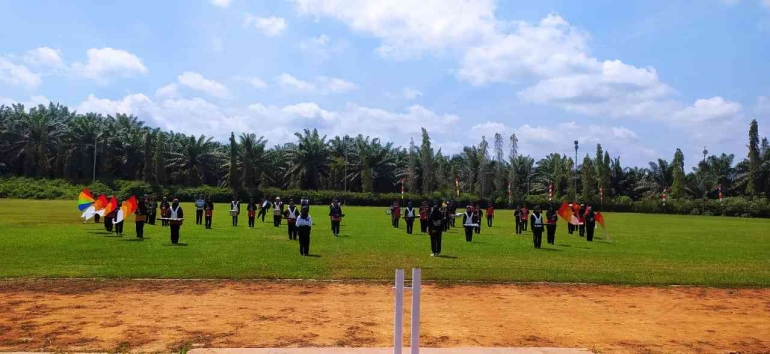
(469, 233)
(304, 240)
(175, 233)
(524, 225)
(452, 219)
(119, 228)
(489, 220)
(262, 213)
(537, 236)
(163, 222)
(151, 218)
(140, 229)
(519, 227)
(276, 220)
(198, 217)
(446, 224)
(395, 221)
(590, 227)
(423, 226)
(435, 241)
(235, 220)
(251, 221)
(478, 228)
(551, 229)
(409, 225)
(336, 228)
(582, 229)
(108, 224)
(570, 228)
(292, 231)
(208, 222)
(97, 217)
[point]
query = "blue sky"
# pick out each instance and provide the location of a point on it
(640, 77)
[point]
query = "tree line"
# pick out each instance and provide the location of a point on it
(55, 142)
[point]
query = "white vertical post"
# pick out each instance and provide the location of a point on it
(416, 279)
(398, 319)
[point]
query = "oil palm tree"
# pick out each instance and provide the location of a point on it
(309, 158)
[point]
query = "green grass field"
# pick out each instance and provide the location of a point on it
(47, 239)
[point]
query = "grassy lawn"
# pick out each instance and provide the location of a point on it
(46, 239)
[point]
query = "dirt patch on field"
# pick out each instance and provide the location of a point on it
(137, 315)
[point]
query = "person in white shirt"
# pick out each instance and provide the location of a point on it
(409, 215)
(235, 209)
(304, 224)
(469, 217)
(538, 224)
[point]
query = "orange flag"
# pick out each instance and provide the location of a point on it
(600, 220)
(564, 212)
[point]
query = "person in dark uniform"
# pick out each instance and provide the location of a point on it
(164, 212)
(452, 212)
(335, 215)
(200, 203)
(304, 224)
(152, 209)
(395, 213)
(409, 216)
(424, 214)
(277, 212)
(445, 213)
(590, 223)
(517, 219)
(524, 217)
(235, 209)
(141, 216)
(582, 220)
(209, 211)
(251, 209)
(96, 215)
(490, 213)
(538, 225)
(435, 227)
(479, 214)
(264, 208)
(175, 213)
(550, 224)
(469, 219)
(118, 225)
(570, 227)
(109, 217)
(291, 215)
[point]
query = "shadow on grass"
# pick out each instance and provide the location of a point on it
(175, 245)
(99, 232)
(136, 239)
(113, 236)
(563, 245)
(550, 249)
(313, 255)
(448, 257)
(606, 242)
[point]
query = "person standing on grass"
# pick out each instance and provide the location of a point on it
(490, 213)
(263, 209)
(291, 215)
(235, 209)
(590, 223)
(251, 208)
(537, 227)
(335, 214)
(200, 203)
(424, 213)
(447, 217)
(409, 216)
(151, 208)
(175, 214)
(517, 219)
(435, 228)
(96, 215)
(304, 224)
(118, 225)
(550, 225)
(395, 213)
(582, 220)
(479, 214)
(141, 216)
(570, 227)
(524, 217)
(109, 217)
(469, 218)
(164, 212)
(452, 212)
(209, 211)
(277, 212)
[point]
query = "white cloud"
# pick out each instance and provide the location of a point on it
(33, 101)
(18, 75)
(410, 93)
(322, 48)
(287, 81)
(335, 85)
(104, 63)
(170, 90)
(257, 82)
(44, 56)
(221, 3)
(323, 84)
(196, 81)
(137, 104)
(766, 4)
(270, 26)
(309, 110)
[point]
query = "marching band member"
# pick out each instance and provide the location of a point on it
(164, 211)
(524, 217)
(118, 225)
(490, 213)
(424, 213)
(175, 214)
(235, 209)
(550, 226)
(277, 211)
(263, 210)
(251, 208)
(452, 212)
(109, 216)
(335, 214)
(570, 227)
(582, 220)
(200, 203)
(141, 216)
(291, 214)
(409, 216)
(447, 217)
(152, 209)
(209, 211)
(590, 223)
(468, 222)
(435, 227)
(518, 219)
(478, 214)
(96, 215)
(537, 227)
(395, 213)
(304, 224)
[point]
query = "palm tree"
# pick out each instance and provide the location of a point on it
(370, 160)
(310, 159)
(252, 159)
(195, 159)
(34, 137)
(658, 177)
(84, 132)
(126, 144)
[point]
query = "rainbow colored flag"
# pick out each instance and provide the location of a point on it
(85, 199)
(95, 208)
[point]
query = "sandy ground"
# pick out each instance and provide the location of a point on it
(147, 316)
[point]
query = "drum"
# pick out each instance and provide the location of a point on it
(233, 212)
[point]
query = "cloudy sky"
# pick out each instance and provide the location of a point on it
(640, 77)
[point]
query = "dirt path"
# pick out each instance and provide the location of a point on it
(83, 315)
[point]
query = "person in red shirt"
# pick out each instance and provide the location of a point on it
(424, 214)
(490, 214)
(252, 209)
(395, 214)
(524, 218)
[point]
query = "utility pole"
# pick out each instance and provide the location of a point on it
(574, 180)
(705, 193)
(96, 140)
(345, 177)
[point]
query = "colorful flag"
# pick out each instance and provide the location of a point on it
(564, 212)
(127, 208)
(85, 199)
(112, 204)
(600, 220)
(94, 208)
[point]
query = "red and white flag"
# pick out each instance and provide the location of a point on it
(550, 192)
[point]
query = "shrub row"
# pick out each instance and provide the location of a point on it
(27, 188)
